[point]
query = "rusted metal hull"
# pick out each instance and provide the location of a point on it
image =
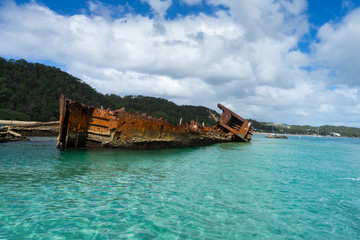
(84, 126)
(239, 128)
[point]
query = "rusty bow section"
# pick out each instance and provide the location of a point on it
(84, 126)
(239, 128)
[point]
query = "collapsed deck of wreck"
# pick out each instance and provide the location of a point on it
(82, 126)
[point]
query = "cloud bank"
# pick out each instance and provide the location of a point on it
(246, 57)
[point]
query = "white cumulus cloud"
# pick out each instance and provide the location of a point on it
(338, 48)
(159, 6)
(246, 56)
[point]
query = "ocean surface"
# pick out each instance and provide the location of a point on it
(299, 188)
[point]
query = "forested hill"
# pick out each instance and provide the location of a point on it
(31, 91)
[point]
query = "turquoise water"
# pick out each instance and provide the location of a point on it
(306, 188)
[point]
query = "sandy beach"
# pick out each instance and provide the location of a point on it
(15, 122)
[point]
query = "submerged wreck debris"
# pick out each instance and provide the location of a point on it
(82, 126)
(276, 136)
(7, 135)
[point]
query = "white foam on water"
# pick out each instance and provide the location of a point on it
(353, 179)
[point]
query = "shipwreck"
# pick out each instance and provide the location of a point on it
(82, 126)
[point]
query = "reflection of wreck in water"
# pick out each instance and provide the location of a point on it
(84, 126)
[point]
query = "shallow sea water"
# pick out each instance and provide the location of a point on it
(307, 188)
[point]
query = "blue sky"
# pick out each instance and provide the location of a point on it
(319, 11)
(287, 61)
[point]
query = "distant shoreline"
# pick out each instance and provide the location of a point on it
(289, 134)
(303, 135)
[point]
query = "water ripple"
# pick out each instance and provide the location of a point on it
(295, 189)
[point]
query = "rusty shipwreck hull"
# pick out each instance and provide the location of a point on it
(83, 126)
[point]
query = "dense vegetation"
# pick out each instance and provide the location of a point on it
(31, 91)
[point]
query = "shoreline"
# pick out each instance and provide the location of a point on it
(291, 134)
(31, 128)
(24, 123)
(17, 122)
(303, 135)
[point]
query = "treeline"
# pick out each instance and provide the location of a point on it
(325, 130)
(31, 91)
